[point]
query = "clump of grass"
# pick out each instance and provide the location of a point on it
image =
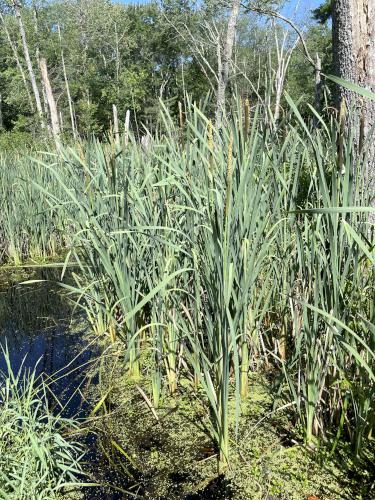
(37, 457)
(29, 223)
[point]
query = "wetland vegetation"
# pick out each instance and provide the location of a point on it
(190, 314)
(209, 277)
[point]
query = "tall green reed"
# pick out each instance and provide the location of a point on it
(29, 223)
(332, 302)
(213, 253)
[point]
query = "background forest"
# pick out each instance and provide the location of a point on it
(100, 53)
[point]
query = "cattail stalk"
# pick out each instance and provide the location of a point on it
(247, 117)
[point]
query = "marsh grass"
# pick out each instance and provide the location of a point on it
(29, 226)
(38, 456)
(220, 253)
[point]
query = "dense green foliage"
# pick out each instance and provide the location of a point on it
(133, 55)
(37, 460)
(212, 253)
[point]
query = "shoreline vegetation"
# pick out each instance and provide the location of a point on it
(232, 271)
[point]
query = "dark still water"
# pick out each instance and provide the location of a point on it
(36, 329)
(40, 332)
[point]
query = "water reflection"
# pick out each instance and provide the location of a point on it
(35, 325)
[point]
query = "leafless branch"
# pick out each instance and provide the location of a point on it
(248, 7)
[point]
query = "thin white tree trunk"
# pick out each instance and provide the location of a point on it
(116, 130)
(1, 112)
(37, 57)
(117, 62)
(127, 125)
(18, 62)
(226, 61)
(318, 83)
(39, 65)
(28, 62)
(283, 60)
(72, 120)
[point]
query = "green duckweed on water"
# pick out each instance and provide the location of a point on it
(168, 453)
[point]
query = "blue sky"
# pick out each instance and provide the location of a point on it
(304, 5)
(298, 10)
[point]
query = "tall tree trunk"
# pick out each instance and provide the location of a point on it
(1, 112)
(318, 84)
(353, 29)
(127, 126)
(226, 60)
(28, 62)
(283, 59)
(117, 62)
(55, 124)
(37, 57)
(18, 62)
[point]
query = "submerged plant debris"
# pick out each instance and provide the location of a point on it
(168, 452)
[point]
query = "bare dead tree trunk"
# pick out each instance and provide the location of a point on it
(71, 112)
(318, 83)
(127, 124)
(28, 62)
(18, 62)
(283, 59)
(353, 35)
(117, 61)
(226, 61)
(279, 87)
(55, 124)
(1, 112)
(37, 57)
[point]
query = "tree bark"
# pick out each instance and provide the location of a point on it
(353, 36)
(55, 124)
(226, 60)
(28, 62)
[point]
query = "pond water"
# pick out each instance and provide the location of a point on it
(36, 328)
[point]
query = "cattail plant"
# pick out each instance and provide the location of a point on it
(212, 255)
